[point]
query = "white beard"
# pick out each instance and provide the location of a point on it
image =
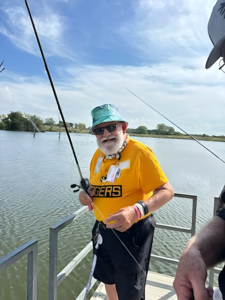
(112, 146)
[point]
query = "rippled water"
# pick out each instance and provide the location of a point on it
(35, 178)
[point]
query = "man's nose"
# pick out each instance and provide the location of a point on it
(106, 133)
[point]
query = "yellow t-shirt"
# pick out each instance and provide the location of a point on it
(140, 175)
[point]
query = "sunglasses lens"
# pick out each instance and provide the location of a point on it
(111, 127)
(99, 131)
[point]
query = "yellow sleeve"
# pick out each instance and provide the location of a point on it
(151, 175)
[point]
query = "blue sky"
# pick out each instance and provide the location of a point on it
(94, 49)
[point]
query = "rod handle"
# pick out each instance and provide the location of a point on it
(85, 184)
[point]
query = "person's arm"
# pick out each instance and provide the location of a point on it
(126, 217)
(203, 251)
(210, 242)
(161, 196)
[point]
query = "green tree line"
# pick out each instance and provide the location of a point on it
(161, 129)
(21, 122)
(18, 121)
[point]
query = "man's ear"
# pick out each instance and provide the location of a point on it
(124, 127)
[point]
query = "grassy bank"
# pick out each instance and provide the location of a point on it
(182, 137)
(56, 129)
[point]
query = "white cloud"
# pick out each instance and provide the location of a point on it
(50, 27)
(192, 98)
(171, 36)
(168, 29)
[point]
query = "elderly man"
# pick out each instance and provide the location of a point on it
(127, 185)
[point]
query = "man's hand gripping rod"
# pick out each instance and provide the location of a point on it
(84, 182)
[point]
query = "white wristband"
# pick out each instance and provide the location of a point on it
(141, 209)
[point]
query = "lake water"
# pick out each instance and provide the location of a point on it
(35, 178)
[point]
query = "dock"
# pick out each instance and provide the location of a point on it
(158, 287)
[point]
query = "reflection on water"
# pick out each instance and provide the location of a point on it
(35, 178)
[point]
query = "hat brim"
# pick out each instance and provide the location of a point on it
(105, 120)
(215, 54)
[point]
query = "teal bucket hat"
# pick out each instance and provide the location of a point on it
(105, 113)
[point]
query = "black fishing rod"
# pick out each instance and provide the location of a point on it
(84, 182)
(176, 125)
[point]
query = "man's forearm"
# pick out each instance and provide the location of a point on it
(210, 242)
(161, 196)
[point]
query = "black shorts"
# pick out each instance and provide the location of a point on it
(115, 265)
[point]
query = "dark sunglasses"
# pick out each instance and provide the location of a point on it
(110, 128)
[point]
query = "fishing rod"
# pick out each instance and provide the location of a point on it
(176, 125)
(84, 182)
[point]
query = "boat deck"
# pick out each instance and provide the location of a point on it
(158, 287)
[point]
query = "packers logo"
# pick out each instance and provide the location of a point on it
(108, 191)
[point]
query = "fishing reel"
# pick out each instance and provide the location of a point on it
(75, 186)
(84, 184)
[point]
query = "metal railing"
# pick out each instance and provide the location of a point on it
(29, 249)
(214, 270)
(181, 229)
(55, 279)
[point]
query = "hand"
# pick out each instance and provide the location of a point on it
(124, 219)
(190, 278)
(85, 199)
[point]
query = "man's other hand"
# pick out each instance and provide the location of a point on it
(123, 219)
(189, 283)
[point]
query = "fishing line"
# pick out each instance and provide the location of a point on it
(96, 257)
(121, 241)
(176, 126)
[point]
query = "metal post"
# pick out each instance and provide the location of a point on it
(29, 249)
(31, 274)
(52, 285)
(194, 212)
(53, 246)
(211, 277)
(212, 270)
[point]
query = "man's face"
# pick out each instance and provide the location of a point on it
(110, 142)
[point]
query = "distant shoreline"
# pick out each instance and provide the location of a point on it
(177, 137)
(181, 137)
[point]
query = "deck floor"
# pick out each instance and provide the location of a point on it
(158, 287)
